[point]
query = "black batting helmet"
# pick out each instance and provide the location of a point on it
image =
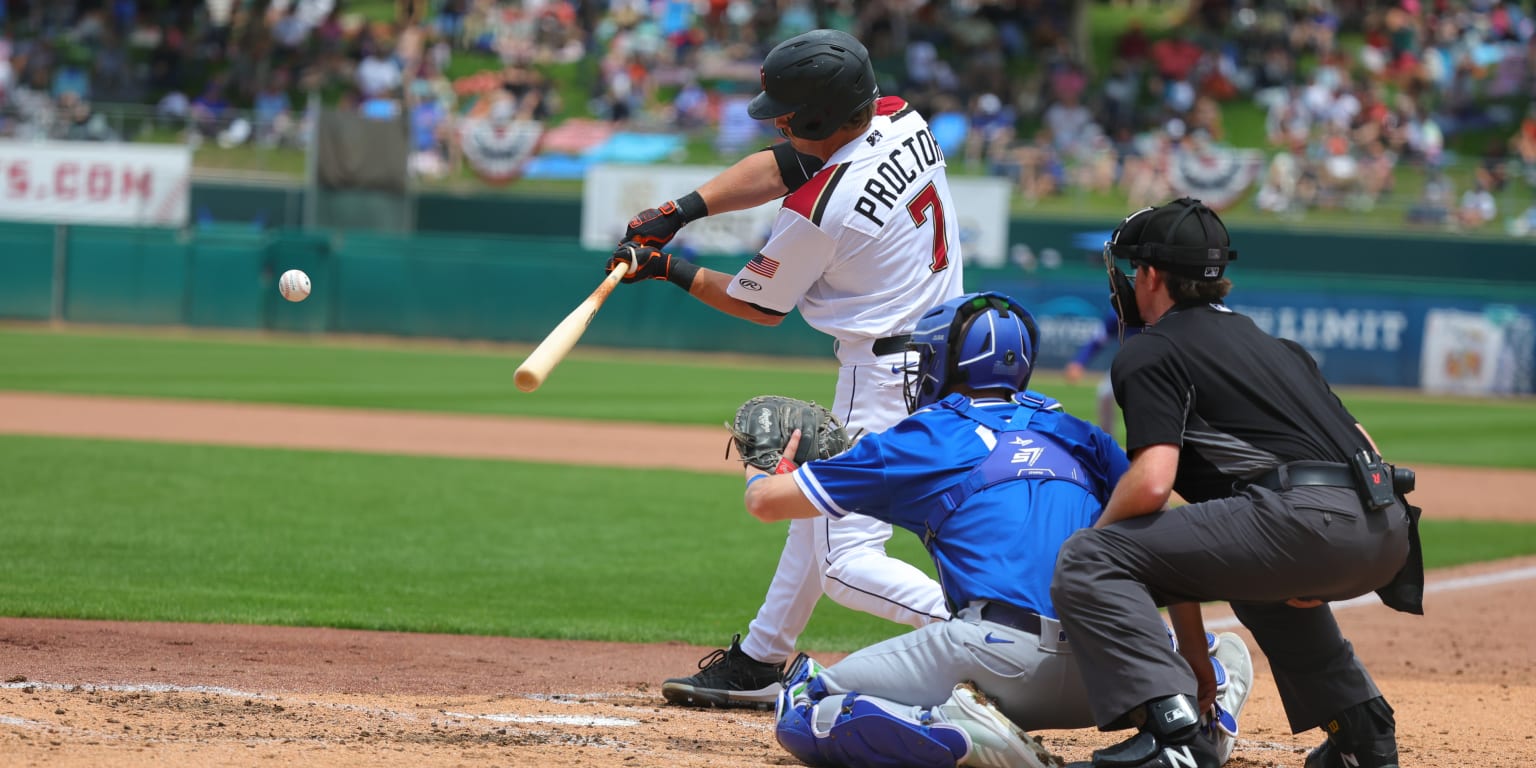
(822, 77)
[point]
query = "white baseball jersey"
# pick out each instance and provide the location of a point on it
(869, 244)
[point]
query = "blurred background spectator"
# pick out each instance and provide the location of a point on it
(1301, 108)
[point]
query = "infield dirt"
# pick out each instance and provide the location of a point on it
(82, 693)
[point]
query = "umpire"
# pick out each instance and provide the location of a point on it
(1290, 506)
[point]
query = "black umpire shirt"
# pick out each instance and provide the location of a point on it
(1236, 400)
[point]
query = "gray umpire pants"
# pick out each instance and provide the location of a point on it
(1255, 550)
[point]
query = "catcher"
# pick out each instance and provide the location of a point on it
(994, 478)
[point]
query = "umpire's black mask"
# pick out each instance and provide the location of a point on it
(1183, 236)
(1122, 293)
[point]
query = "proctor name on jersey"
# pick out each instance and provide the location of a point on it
(904, 165)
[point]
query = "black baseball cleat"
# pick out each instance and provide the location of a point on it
(1362, 736)
(727, 678)
(1326, 755)
(1170, 735)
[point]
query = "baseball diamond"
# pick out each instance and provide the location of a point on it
(288, 475)
(90, 693)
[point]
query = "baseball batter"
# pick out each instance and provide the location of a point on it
(862, 248)
(994, 480)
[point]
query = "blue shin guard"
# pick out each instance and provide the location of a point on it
(853, 731)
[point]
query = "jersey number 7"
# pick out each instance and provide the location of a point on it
(926, 200)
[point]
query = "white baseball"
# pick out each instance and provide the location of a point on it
(294, 285)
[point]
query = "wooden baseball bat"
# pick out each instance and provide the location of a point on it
(554, 347)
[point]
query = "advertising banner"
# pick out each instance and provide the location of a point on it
(613, 193)
(95, 183)
(1439, 344)
(1478, 353)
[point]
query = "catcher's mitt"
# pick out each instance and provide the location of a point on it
(763, 425)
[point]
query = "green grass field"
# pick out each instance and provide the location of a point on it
(138, 531)
(608, 385)
(124, 530)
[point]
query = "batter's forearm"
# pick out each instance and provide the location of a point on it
(710, 287)
(752, 181)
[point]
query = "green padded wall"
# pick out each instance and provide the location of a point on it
(225, 278)
(123, 275)
(26, 260)
(509, 288)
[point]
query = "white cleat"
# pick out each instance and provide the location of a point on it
(995, 741)
(1231, 696)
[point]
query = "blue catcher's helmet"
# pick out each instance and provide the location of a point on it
(982, 340)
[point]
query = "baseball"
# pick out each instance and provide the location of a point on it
(294, 285)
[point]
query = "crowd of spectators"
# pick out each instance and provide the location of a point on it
(1011, 86)
(1338, 122)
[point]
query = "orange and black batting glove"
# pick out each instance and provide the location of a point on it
(657, 226)
(645, 262)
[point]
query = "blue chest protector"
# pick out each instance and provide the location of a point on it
(1032, 444)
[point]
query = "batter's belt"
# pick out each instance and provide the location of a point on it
(890, 345)
(864, 351)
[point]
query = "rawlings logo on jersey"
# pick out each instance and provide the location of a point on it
(751, 285)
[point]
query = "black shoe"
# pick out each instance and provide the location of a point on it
(727, 678)
(1326, 755)
(1363, 736)
(1170, 736)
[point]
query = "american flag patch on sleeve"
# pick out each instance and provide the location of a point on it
(763, 265)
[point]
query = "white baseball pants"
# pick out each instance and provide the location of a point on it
(845, 558)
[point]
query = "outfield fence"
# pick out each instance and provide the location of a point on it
(1472, 333)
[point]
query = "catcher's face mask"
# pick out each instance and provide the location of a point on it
(983, 340)
(917, 376)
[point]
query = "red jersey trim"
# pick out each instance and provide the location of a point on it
(810, 200)
(888, 106)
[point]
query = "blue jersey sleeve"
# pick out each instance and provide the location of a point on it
(1112, 459)
(894, 475)
(852, 481)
